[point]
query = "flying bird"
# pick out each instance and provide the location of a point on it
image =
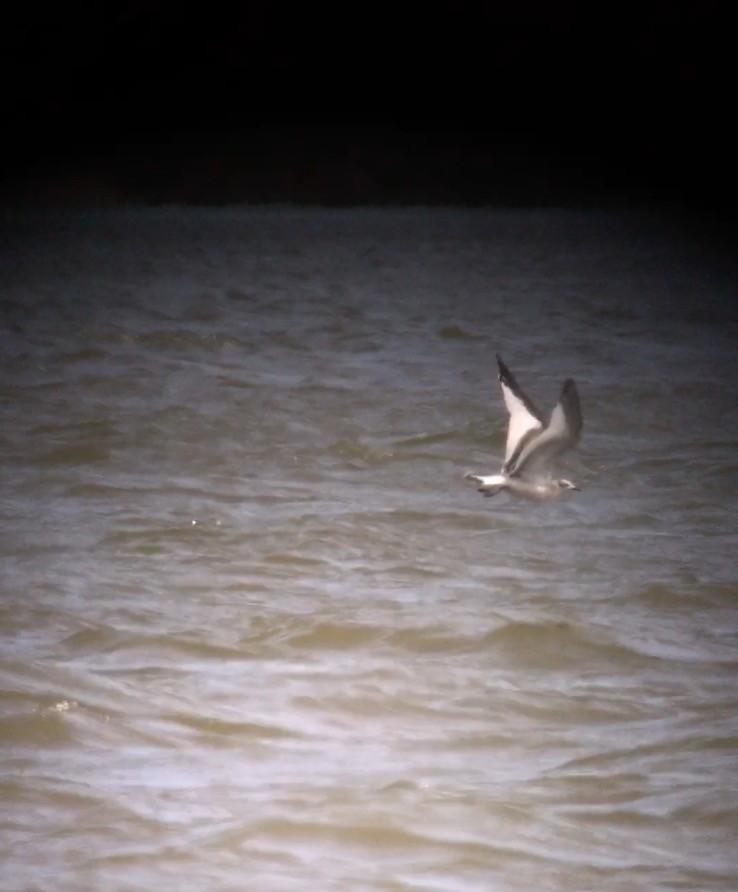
(532, 443)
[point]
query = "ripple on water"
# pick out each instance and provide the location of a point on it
(257, 630)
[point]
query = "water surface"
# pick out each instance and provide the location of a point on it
(257, 631)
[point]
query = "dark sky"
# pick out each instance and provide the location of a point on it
(456, 103)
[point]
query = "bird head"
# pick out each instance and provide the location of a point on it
(567, 484)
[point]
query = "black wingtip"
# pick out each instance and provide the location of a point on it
(572, 407)
(505, 376)
(569, 390)
(504, 372)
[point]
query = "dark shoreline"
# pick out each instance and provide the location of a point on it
(335, 170)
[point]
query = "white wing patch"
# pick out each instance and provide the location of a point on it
(521, 422)
(525, 419)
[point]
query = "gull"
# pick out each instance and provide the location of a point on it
(532, 443)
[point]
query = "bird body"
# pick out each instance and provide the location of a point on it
(532, 444)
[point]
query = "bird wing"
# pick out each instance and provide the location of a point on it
(526, 421)
(561, 433)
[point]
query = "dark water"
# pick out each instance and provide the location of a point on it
(258, 633)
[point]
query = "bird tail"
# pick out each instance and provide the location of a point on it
(488, 486)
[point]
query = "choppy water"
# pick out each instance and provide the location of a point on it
(258, 633)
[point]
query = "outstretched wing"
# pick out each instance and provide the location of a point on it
(526, 420)
(561, 433)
